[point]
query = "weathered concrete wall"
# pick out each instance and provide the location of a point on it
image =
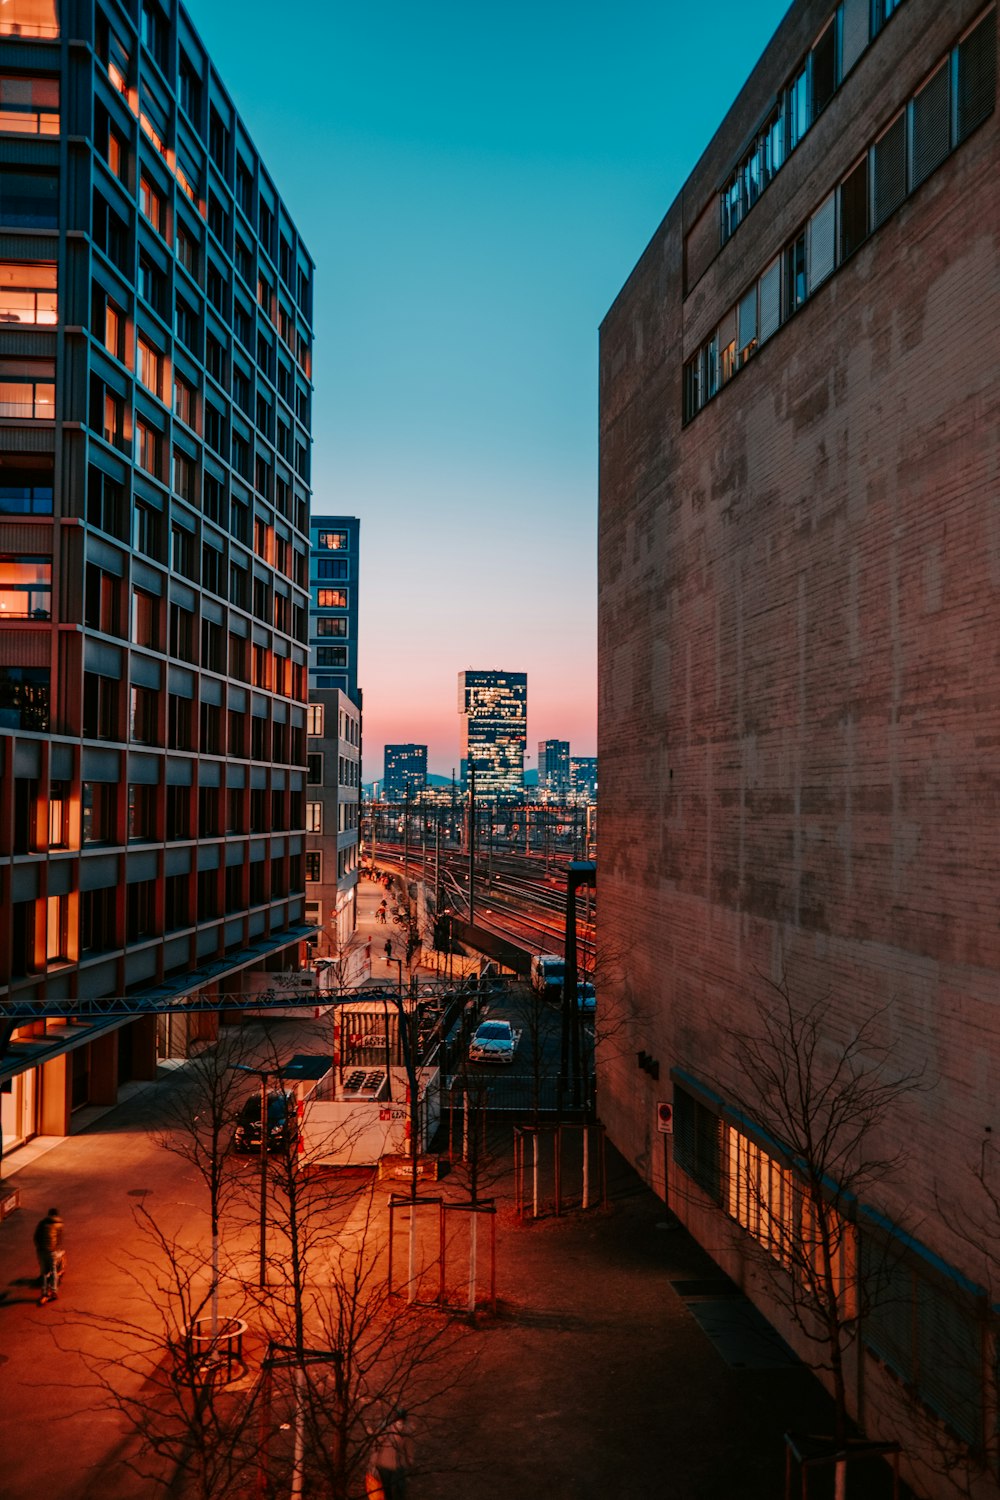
(800, 640)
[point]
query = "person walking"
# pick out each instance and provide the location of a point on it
(388, 950)
(49, 1249)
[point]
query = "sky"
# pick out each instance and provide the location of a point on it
(474, 182)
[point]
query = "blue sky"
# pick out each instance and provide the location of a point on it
(475, 183)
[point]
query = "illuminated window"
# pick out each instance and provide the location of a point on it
(314, 864)
(25, 588)
(28, 292)
(185, 397)
(314, 817)
(27, 388)
(147, 446)
(29, 18)
(57, 928)
(314, 720)
(152, 204)
(331, 599)
(148, 365)
(333, 541)
(29, 106)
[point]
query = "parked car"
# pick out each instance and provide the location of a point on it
(586, 998)
(282, 1122)
(547, 974)
(494, 1041)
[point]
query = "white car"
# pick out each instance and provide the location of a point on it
(494, 1042)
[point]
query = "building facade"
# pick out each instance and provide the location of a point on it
(799, 704)
(554, 769)
(156, 303)
(583, 778)
(493, 709)
(333, 623)
(334, 783)
(405, 773)
(333, 793)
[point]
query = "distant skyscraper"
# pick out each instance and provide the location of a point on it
(405, 771)
(334, 776)
(333, 611)
(583, 778)
(494, 710)
(553, 767)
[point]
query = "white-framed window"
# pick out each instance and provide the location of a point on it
(314, 817)
(314, 720)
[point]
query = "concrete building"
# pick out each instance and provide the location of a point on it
(799, 683)
(493, 707)
(405, 772)
(155, 394)
(553, 769)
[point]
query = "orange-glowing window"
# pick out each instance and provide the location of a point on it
(25, 588)
(29, 18)
(28, 292)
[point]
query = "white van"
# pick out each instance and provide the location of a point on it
(547, 974)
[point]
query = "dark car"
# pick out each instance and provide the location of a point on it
(282, 1123)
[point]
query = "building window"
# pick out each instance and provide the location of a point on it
(152, 204)
(331, 656)
(314, 865)
(314, 720)
(141, 812)
(147, 446)
(143, 704)
(331, 598)
(26, 486)
(98, 812)
(29, 200)
(314, 817)
(27, 389)
(331, 567)
(314, 773)
(148, 365)
(333, 541)
(25, 588)
(335, 625)
(24, 698)
(28, 292)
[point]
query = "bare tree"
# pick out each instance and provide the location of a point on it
(821, 1103)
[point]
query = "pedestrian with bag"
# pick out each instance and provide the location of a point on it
(392, 1459)
(51, 1256)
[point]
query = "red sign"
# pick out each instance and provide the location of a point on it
(665, 1119)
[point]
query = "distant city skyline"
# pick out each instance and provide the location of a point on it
(473, 184)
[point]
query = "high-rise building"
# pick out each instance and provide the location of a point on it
(156, 302)
(333, 618)
(405, 771)
(334, 785)
(554, 768)
(333, 793)
(799, 685)
(493, 707)
(583, 778)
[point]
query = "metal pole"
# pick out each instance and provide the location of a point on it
(263, 1180)
(406, 840)
(472, 842)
